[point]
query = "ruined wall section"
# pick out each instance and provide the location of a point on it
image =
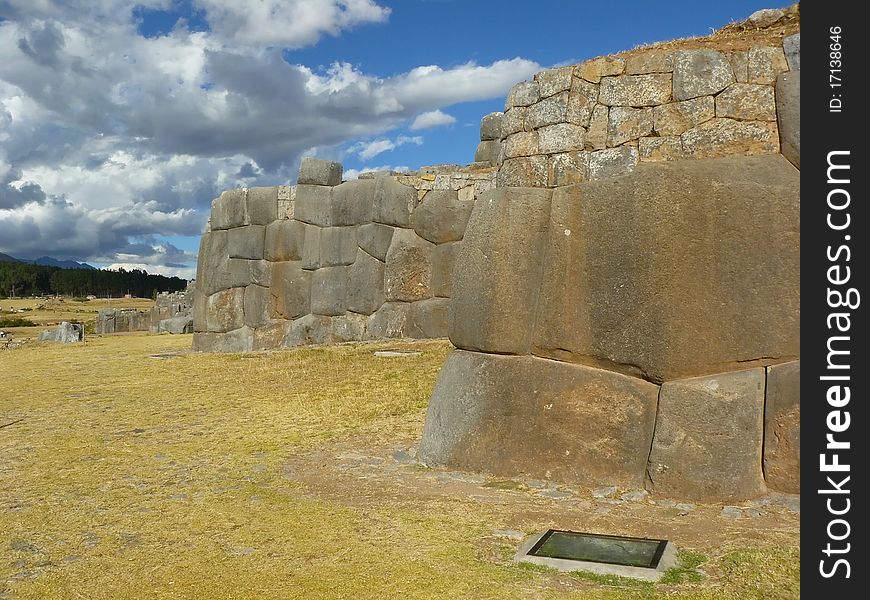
(329, 261)
(172, 313)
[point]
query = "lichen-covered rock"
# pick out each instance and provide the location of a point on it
(315, 171)
(747, 102)
(788, 108)
(365, 288)
(524, 93)
(568, 168)
(443, 263)
(791, 45)
(285, 239)
(635, 90)
(676, 117)
(428, 319)
(329, 291)
(375, 238)
(654, 61)
(612, 162)
(708, 437)
(581, 102)
(290, 290)
(225, 310)
(408, 271)
(442, 216)
(660, 148)
(724, 137)
(553, 81)
(561, 137)
(262, 205)
(739, 60)
(603, 66)
(526, 171)
(246, 242)
(628, 124)
(596, 135)
(524, 143)
(547, 112)
(490, 126)
(514, 121)
(524, 416)
(765, 64)
(782, 427)
(701, 72)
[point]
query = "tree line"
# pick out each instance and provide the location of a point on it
(26, 279)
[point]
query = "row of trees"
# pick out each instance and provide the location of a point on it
(25, 279)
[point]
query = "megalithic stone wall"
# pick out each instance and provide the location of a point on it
(330, 261)
(626, 303)
(171, 313)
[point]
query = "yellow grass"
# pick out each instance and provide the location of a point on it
(141, 470)
(46, 312)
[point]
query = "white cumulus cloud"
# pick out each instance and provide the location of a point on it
(432, 118)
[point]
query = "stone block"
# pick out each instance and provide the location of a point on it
(211, 261)
(310, 329)
(285, 240)
(427, 319)
(237, 340)
(765, 17)
(739, 60)
(329, 291)
(547, 112)
(375, 238)
(701, 72)
(654, 61)
(596, 135)
(176, 325)
(791, 46)
(568, 168)
(246, 242)
(669, 147)
(725, 137)
(612, 162)
(676, 117)
(603, 66)
(338, 246)
(524, 143)
(200, 310)
(523, 416)
(747, 102)
(561, 137)
(257, 305)
(314, 205)
(626, 124)
(349, 327)
(782, 427)
(290, 290)
(262, 205)
(388, 322)
(441, 217)
(553, 81)
(365, 288)
(524, 93)
(513, 121)
(708, 438)
(443, 263)
(352, 202)
(674, 270)
(408, 271)
(498, 271)
(270, 335)
(315, 171)
(239, 272)
(527, 171)
(230, 210)
(490, 127)
(225, 310)
(311, 247)
(635, 90)
(487, 152)
(788, 110)
(581, 102)
(393, 203)
(765, 64)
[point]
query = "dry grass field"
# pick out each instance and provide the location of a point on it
(46, 312)
(131, 467)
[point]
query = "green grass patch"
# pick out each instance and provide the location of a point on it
(689, 561)
(16, 322)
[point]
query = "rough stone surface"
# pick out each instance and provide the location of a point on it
(408, 271)
(498, 271)
(635, 90)
(514, 121)
(389, 321)
(365, 288)
(568, 168)
(676, 117)
(311, 247)
(791, 45)
(700, 73)
(443, 264)
(524, 143)
(309, 329)
(490, 127)
(329, 291)
(636, 281)
(553, 81)
(547, 112)
(581, 102)
(338, 246)
(262, 205)
(561, 137)
(246, 242)
(747, 102)
(654, 61)
(612, 162)
(375, 239)
(510, 416)
(393, 202)
(314, 204)
(765, 64)
(352, 202)
(723, 137)
(441, 217)
(428, 318)
(523, 93)
(269, 335)
(238, 340)
(64, 333)
(257, 307)
(319, 172)
(660, 148)
(225, 310)
(285, 239)
(596, 136)
(348, 327)
(788, 106)
(176, 325)
(708, 437)
(765, 17)
(290, 290)
(230, 209)
(487, 151)
(603, 66)
(739, 60)
(782, 428)
(527, 171)
(628, 124)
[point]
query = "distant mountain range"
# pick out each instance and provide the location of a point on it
(49, 262)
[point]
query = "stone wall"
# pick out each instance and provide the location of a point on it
(626, 302)
(330, 261)
(171, 313)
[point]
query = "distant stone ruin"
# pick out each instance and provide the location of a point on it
(172, 313)
(64, 333)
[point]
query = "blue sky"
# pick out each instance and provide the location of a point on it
(120, 121)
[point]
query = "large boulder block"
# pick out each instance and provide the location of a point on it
(284, 240)
(389, 321)
(443, 265)
(677, 269)
(352, 202)
(269, 335)
(338, 246)
(365, 288)
(329, 291)
(314, 205)
(290, 290)
(511, 415)
(311, 247)
(487, 151)
(442, 216)
(262, 205)
(708, 437)
(211, 262)
(239, 272)
(349, 327)
(791, 46)
(246, 242)
(393, 202)
(782, 427)
(225, 310)
(726, 137)
(310, 329)
(498, 273)
(230, 210)
(526, 171)
(64, 333)
(319, 172)
(257, 305)
(701, 72)
(428, 318)
(490, 126)
(788, 112)
(176, 325)
(237, 340)
(375, 239)
(635, 90)
(408, 271)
